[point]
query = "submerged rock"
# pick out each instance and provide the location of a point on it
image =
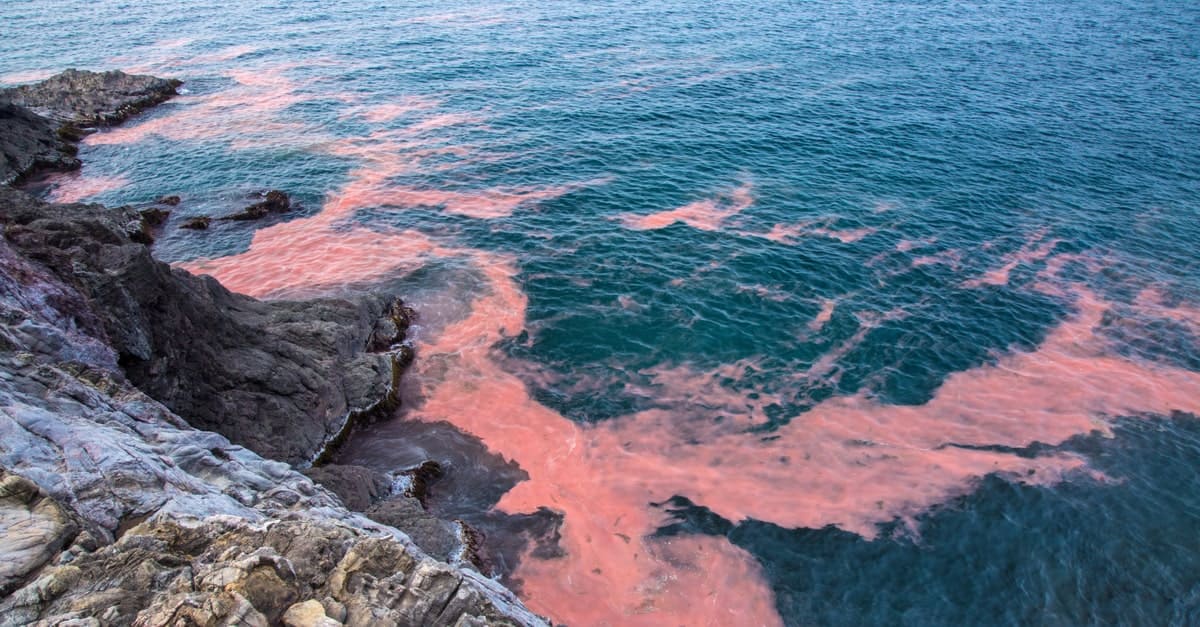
(154, 217)
(84, 98)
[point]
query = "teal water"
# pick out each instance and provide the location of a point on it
(918, 344)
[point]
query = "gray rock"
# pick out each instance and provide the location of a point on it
(198, 223)
(84, 98)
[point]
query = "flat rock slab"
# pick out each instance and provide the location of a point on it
(86, 98)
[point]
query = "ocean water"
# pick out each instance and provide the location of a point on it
(732, 313)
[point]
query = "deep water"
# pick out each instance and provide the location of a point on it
(883, 312)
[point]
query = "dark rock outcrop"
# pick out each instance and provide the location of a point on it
(357, 486)
(199, 223)
(29, 142)
(82, 98)
(273, 201)
(113, 510)
(41, 123)
(281, 378)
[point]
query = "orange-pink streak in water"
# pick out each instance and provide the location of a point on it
(76, 187)
(823, 316)
(1031, 252)
(707, 215)
(851, 462)
(693, 581)
(242, 113)
(787, 234)
(386, 112)
(27, 76)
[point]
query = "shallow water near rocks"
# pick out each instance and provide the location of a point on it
(859, 312)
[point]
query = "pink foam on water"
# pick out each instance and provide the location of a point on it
(76, 187)
(952, 258)
(709, 214)
(766, 292)
(850, 461)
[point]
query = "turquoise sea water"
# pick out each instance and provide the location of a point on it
(891, 305)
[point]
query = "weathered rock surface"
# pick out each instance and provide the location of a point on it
(40, 123)
(33, 529)
(278, 377)
(29, 142)
(84, 98)
(357, 486)
(116, 511)
(228, 571)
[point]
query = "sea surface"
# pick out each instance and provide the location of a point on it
(732, 313)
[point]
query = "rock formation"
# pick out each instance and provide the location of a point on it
(39, 123)
(135, 402)
(273, 201)
(82, 98)
(29, 142)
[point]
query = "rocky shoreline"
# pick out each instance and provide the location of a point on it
(154, 426)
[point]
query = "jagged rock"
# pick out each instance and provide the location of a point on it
(420, 479)
(174, 524)
(357, 486)
(389, 330)
(170, 201)
(274, 201)
(29, 142)
(223, 571)
(199, 223)
(282, 378)
(83, 98)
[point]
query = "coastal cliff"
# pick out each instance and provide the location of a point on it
(153, 425)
